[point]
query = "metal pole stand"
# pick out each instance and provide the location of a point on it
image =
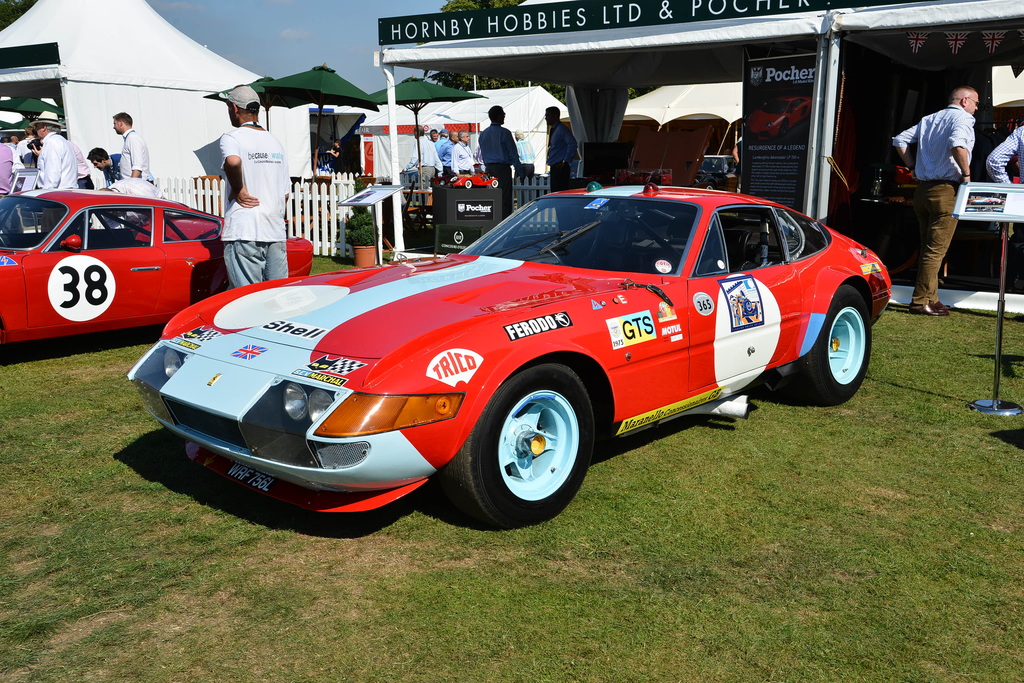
(994, 406)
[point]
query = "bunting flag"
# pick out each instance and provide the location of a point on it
(956, 40)
(1017, 68)
(992, 39)
(916, 40)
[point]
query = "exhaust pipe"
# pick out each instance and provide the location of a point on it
(734, 406)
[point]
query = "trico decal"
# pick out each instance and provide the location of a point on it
(868, 268)
(534, 326)
(635, 328)
(744, 300)
(329, 370)
(454, 366)
(249, 351)
(294, 329)
(667, 411)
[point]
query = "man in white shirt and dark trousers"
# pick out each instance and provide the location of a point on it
(255, 237)
(135, 153)
(58, 168)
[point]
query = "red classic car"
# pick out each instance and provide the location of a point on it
(585, 314)
(468, 180)
(77, 261)
(776, 117)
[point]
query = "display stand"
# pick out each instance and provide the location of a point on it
(1003, 204)
(371, 198)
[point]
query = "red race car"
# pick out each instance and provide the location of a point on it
(471, 180)
(87, 261)
(776, 117)
(585, 314)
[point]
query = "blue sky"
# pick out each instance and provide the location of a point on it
(281, 37)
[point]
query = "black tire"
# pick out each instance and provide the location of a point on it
(496, 477)
(834, 368)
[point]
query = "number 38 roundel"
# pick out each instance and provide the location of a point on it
(80, 288)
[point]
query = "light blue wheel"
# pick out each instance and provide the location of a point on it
(847, 345)
(539, 444)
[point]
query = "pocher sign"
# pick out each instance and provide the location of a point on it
(586, 15)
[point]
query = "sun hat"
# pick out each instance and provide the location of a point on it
(244, 97)
(48, 117)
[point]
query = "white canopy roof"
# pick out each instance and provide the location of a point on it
(701, 101)
(120, 55)
(1007, 91)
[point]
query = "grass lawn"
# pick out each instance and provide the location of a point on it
(876, 541)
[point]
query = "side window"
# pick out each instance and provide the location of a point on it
(712, 255)
(751, 238)
(75, 227)
(189, 227)
(803, 236)
(119, 228)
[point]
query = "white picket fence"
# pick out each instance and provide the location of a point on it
(312, 210)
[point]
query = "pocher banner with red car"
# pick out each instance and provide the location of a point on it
(777, 97)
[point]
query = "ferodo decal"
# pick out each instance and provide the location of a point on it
(634, 328)
(294, 329)
(744, 300)
(454, 366)
(193, 339)
(329, 370)
(545, 323)
(81, 288)
(667, 411)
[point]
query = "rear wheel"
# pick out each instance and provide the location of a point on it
(469, 182)
(529, 452)
(835, 366)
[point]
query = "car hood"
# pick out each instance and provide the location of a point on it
(401, 308)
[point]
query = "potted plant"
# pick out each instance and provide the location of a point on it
(360, 233)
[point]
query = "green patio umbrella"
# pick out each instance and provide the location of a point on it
(416, 93)
(321, 86)
(29, 105)
(18, 126)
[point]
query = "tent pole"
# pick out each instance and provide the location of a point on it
(823, 117)
(389, 76)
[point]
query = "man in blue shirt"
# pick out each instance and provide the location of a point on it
(944, 140)
(444, 151)
(561, 150)
(499, 153)
(110, 165)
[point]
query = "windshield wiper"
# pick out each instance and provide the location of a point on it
(653, 289)
(517, 247)
(562, 241)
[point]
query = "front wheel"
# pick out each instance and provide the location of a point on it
(469, 182)
(835, 366)
(529, 452)
(494, 182)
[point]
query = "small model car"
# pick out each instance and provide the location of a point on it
(467, 180)
(776, 117)
(76, 261)
(585, 314)
(714, 171)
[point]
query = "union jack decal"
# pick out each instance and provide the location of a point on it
(916, 40)
(249, 351)
(992, 39)
(956, 40)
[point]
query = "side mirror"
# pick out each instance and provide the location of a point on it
(72, 243)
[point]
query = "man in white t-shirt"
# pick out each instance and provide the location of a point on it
(255, 193)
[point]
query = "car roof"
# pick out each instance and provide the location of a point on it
(711, 199)
(76, 199)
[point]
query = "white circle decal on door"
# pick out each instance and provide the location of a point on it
(80, 288)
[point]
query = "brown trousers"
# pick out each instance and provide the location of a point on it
(933, 205)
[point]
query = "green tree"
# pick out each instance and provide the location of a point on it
(11, 11)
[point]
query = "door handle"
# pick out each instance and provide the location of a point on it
(142, 268)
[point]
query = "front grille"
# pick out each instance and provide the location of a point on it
(203, 422)
(336, 456)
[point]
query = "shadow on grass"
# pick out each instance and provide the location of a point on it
(69, 345)
(159, 456)
(1013, 437)
(606, 450)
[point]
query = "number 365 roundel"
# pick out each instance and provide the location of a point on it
(81, 288)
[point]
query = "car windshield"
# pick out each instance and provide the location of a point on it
(622, 234)
(714, 165)
(27, 222)
(775, 107)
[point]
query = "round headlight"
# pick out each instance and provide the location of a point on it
(295, 401)
(172, 361)
(319, 401)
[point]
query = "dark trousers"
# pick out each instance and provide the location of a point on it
(85, 183)
(503, 172)
(560, 176)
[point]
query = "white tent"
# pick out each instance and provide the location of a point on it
(1007, 91)
(524, 110)
(695, 102)
(101, 57)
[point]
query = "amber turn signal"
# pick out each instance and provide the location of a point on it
(361, 414)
